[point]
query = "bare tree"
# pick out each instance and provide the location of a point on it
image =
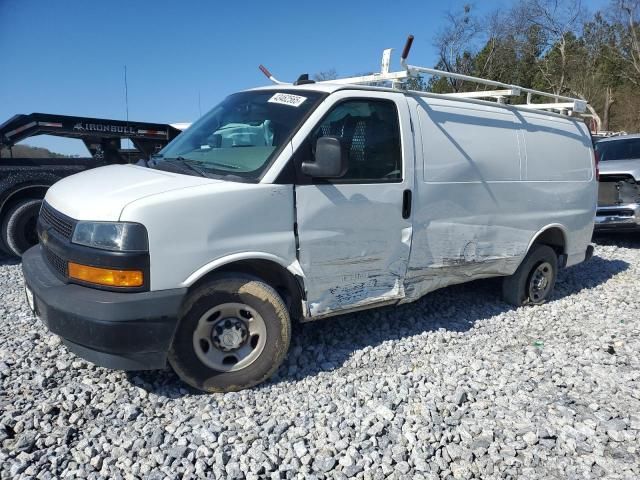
(626, 13)
(496, 31)
(557, 21)
(455, 43)
(330, 74)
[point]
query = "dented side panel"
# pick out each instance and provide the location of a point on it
(476, 209)
(465, 227)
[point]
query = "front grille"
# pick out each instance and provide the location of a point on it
(608, 193)
(619, 212)
(60, 223)
(56, 262)
(607, 177)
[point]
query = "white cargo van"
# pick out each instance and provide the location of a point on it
(295, 202)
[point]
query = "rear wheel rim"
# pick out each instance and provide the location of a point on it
(540, 282)
(229, 337)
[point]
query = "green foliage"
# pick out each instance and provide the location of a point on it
(416, 83)
(550, 45)
(439, 85)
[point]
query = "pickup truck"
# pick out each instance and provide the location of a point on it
(619, 185)
(24, 181)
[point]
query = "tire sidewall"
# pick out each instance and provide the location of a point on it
(14, 233)
(236, 289)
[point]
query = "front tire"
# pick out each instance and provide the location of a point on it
(19, 226)
(234, 333)
(533, 281)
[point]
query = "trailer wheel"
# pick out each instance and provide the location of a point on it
(19, 226)
(234, 333)
(533, 281)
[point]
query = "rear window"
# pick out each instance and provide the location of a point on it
(619, 149)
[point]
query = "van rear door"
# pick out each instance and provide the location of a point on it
(354, 232)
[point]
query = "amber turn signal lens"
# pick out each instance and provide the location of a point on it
(106, 276)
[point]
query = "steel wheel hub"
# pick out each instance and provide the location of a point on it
(229, 334)
(540, 282)
(229, 337)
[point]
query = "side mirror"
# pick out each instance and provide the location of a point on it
(330, 159)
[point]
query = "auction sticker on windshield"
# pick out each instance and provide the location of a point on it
(287, 99)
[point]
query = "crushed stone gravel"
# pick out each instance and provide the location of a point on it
(457, 385)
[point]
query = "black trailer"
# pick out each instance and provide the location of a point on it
(24, 181)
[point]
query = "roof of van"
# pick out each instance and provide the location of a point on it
(328, 87)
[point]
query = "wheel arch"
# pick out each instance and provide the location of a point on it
(15, 194)
(554, 235)
(21, 192)
(287, 280)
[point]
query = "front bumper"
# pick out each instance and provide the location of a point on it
(618, 217)
(125, 331)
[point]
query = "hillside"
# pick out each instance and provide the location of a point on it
(27, 151)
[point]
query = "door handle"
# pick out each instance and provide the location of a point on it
(406, 203)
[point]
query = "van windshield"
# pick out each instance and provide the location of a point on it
(623, 149)
(240, 136)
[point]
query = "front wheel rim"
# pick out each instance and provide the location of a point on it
(229, 337)
(540, 282)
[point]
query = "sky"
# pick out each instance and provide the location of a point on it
(184, 56)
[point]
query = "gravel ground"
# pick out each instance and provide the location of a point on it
(457, 385)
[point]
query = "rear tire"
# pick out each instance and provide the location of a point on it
(19, 226)
(533, 281)
(234, 333)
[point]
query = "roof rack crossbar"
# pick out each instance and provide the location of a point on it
(559, 106)
(486, 93)
(373, 78)
(578, 106)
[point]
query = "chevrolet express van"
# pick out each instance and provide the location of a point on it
(297, 202)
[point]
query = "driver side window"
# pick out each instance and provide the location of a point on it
(370, 131)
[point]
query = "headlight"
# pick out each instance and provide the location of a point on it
(117, 236)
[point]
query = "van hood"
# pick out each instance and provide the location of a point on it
(101, 194)
(618, 167)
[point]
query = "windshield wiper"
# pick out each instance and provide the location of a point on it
(226, 165)
(189, 163)
(181, 164)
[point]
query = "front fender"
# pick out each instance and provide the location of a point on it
(193, 231)
(292, 267)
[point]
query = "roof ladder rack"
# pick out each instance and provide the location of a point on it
(561, 103)
(574, 104)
